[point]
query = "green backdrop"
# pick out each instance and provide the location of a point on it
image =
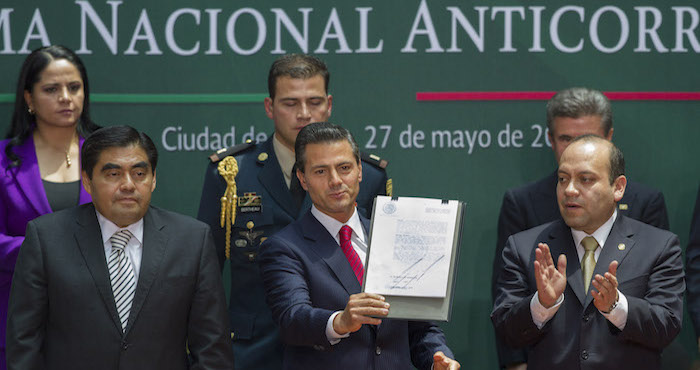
(186, 71)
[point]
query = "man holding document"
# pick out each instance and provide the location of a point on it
(313, 270)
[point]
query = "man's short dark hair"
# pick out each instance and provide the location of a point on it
(617, 160)
(299, 66)
(322, 132)
(578, 102)
(115, 137)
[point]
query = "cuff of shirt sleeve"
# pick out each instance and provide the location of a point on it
(333, 337)
(540, 314)
(618, 315)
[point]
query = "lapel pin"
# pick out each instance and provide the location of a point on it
(621, 246)
(262, 157)
(622, 207)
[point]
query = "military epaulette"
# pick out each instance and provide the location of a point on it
(225, 152)
(374, 160)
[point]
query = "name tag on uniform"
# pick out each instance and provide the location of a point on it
(249, 202)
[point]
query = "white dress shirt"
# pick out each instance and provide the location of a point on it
(135, 245)
(618, 316)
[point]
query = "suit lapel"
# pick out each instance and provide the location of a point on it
(325, 246)
(561, 242)
(154, 246)
(29, 177)
(272, 179)
(620, 234)
(89, 238)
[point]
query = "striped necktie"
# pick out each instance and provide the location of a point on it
(121, 273)
(345, 244)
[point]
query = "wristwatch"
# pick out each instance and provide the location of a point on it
(613, 305)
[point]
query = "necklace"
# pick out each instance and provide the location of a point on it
(68, 159)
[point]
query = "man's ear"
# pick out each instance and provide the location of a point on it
(87, 184)
(302, 179)
(330, 105)
(153, 186)
(608, 137)
(268, 108)
(619, 186)
(359, 166)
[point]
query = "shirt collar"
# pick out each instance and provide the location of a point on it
(333, 226)
(285, 157)
(600, 235)
(108, 228)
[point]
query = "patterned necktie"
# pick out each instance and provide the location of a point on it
(121, 273)
(588, 263)
(350, 254)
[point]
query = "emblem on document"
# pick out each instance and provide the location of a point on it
(249, 202)
(389, 208)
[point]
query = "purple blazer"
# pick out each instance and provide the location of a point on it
(22, 199)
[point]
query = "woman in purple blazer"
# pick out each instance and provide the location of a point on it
(40, 158)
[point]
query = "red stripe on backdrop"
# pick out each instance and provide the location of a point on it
(546, 95)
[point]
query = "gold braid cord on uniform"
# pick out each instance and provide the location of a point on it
(228, 169)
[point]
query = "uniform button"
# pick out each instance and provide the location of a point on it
(378, 350)
(584, 355)
(586, 318)
(125, 346)
(232, 334)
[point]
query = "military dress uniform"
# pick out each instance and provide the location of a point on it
(264, 206)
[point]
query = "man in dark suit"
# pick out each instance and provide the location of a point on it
(269, 197)
(570, 113)
(614, 298)
(313, 268)
(692, 253)
(117, 283)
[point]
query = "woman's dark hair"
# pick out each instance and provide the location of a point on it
(24, 123)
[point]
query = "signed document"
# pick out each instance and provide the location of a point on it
(411, 247)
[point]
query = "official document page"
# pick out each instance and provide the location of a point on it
(411, 247)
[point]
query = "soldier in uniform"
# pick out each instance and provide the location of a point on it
(250, 192)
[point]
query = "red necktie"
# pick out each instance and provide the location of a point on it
(350, 254)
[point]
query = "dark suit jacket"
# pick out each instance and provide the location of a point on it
(256, 342)
(650, 275)
(693, 256)
(535, 204)
(62, 312)
(22, 199)
(307, 278)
